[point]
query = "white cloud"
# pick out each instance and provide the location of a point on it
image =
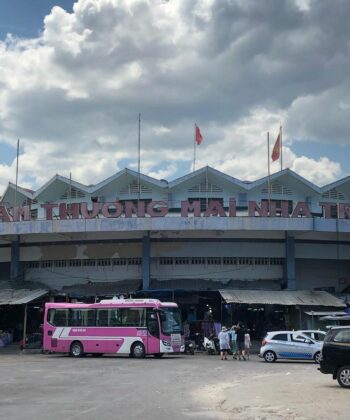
(237, 68)
(320, 172)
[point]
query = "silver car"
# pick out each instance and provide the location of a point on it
(316, 335)
(289, 345)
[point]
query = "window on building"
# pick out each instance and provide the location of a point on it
(104, 262)
(119, 261)
(74, 263)
(242, 200)
(166, 261)
(214, 261)
(135, 261)
(229, 260)
(198, 260)
(46, 264)
(89, 263)
(182, 260)
(60, 263)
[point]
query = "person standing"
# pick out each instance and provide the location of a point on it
(233, 336)
(247, 344)
(240, 342)
(224, 341)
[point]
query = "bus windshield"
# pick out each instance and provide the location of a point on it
(170, 319)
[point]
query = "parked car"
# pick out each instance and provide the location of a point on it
(289, 345)
(335, 357)
(316, 335)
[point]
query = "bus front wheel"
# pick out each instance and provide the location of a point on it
(76, 349)
(138, 350)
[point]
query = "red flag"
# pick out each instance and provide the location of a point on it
(199, 137)
(276, 151)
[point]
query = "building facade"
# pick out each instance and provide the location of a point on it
(203, 231)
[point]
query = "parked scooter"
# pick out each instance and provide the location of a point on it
(189, 347)
(211, 344)
(198, 342)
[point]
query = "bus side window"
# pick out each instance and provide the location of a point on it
(115, 318)
(58, 317)
(102, 318)
(152, 323)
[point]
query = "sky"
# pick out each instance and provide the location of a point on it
(74, 77)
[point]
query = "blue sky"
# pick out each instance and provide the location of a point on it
(24, 18)
(72, 84)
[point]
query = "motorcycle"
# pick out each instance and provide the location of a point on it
(211, 344)
(189, 347)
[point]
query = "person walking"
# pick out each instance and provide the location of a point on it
(240, 342)
(224, 341)
(233, 336)
(247, 344)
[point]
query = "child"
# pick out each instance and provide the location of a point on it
(247, 344)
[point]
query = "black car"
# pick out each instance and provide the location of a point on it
(335, 357)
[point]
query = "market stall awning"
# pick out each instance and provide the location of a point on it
(325, 313)
(282, 297)
(335, 318)
(20, 296)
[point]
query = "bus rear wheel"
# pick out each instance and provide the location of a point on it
(138, 350)
(76, 349)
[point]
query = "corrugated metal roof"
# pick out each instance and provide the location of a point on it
(282, 297)
(324, 313)
(20, 296)
(335, 318)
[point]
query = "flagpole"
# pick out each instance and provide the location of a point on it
(268, 168)
(194, 149)
(17, 172)
(139, 157)
(206, 186)
(70, 196)
(281, 146)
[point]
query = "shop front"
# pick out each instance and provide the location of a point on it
(262, 310)
(21, 316)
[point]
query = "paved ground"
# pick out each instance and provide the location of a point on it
(36, 386)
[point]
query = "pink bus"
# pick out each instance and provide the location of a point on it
(137, 327)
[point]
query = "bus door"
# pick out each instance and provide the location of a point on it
(153, 332)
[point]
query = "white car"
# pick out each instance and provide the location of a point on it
(289, 345)
(316, 335)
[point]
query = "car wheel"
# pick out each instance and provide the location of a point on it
(76, 349)
(343, 376)
(138, 350)
(317, 357)
(270, 356)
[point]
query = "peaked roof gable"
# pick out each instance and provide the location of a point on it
(128, 172)
(203, 171)
(277, 175)
(335, 184)
(11, 188)
(58, 178)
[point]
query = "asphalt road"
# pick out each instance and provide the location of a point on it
(37, 386)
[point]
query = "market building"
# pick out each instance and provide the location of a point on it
(273, 249)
